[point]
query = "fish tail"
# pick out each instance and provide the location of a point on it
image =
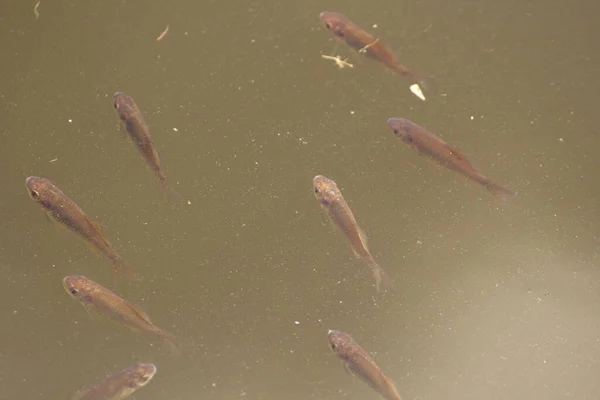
(500, 193)
(382, 279)
(123, 270)
(172, 343)
(172, 192)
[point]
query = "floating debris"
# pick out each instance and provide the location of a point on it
(416, 90)
(364, 49)
(163, 34)
(338, 61)
(35, 9)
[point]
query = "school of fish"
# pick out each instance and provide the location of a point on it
(103, 301)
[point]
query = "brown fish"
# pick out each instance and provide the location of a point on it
(427, 143)
(333, 204)
(136, 126)
(64, 210)
(119, 386)
(362, 41)
(96, 297)
(357, 361)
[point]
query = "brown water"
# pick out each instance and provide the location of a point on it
(491, 302)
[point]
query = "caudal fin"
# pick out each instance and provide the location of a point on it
(500, 193)
(381, 278)
(122, 270)
(173, 346)
(172, 342)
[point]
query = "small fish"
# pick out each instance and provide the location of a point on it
(362, 41)
(427, 143)
(333, 204)
(357, 361)
(136, 126)
(119, 386)
(96, 297)
(64, 210)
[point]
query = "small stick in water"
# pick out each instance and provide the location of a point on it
(162, 35)
(338, 61)
(364, 49)
(35, 9)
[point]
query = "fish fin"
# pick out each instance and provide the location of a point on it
(141, 314)
(327, 218)
(172, 192)
(363, 236)
(500, 193)
(363, 240)
(123, 270)
(134, 329)
(172, 343)
(457, 153)
(97, 226)
(392, 388)
(89, 308)
(49, 219)
(347, 369)
(382, 279)
(123, 129)
(324, 220)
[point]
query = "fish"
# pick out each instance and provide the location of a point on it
(365, 43)
(334, 205)
(67, 213)
(428, 144)
(119, 386)
(358, 362)
(131, 116)
(96, 297)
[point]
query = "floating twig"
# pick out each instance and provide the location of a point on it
(162, 35)
(364, 49)
(35, 9)
(338, 61)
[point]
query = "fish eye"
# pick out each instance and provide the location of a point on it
(333, 346)
(74, 292)
(396, 131)
(316, 190)
(327, 26)
(35, 194)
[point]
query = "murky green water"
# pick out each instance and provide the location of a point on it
(491, 302)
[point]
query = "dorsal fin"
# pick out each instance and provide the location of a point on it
(140, 313)
(457, 153)
(363, 241)
(97, 226)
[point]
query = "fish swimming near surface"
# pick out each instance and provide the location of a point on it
(358, 362)
(334, 205)
(138, 130)
(359, 39)
(96, 297)
(429, 144)
(68, 214)
(119, 386)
